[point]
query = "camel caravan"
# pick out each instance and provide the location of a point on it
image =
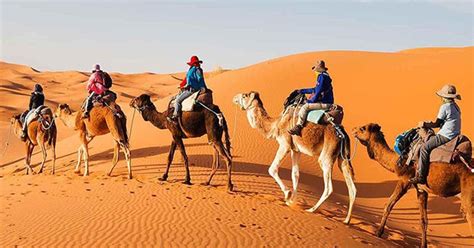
(431, 163)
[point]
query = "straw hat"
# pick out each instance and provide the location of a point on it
(448, 91)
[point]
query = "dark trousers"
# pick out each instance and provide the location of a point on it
(424, 162)
(89, 102)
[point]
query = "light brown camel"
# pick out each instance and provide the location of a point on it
(41, 132)
(194, 124)
(443, 180)
(102, 121)
(316, 140)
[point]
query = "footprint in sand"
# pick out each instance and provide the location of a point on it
(363, 241)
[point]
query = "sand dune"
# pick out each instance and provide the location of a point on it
(395, 90)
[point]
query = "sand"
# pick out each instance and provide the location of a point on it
(395, 90)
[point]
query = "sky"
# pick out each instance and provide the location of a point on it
(160, 36)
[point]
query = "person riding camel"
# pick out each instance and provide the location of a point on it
(95, 87)
(193, 82)
(449, 122)
(36, 102)
(322, 97)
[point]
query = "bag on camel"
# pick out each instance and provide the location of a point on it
(403, 141)
(107, 80)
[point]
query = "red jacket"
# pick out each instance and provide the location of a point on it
(96, 83)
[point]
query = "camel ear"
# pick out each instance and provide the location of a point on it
(374, 127)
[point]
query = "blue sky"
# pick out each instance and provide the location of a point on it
(157, 36)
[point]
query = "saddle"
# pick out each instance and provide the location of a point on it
(451, 152)
(323, 117)
(189, 104)
(106, 100)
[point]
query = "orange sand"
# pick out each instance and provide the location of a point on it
(395, 90)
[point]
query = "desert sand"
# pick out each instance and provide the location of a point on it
(395, 90)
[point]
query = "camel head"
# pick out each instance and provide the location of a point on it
(15, 122)
(142, 102)
(367, 132)
(62, 110)
(247, 101)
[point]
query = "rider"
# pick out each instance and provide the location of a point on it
(322, 97)
(95, 87)
(449, 122)
(36, 101)
(193, 82)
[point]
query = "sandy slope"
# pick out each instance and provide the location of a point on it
(392, 89)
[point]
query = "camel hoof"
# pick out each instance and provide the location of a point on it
(77, 171)
(230, 188)
(310, 210)
(289, 202)
(163, 179)
(287, 194)
(187, 182)
(347, 221)
(205, 183)
(379, 233)
(130, 177)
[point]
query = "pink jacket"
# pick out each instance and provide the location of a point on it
(96, 83)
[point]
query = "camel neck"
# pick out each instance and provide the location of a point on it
(259, 119)
(381, 152)
(156, 118)
(70, 120)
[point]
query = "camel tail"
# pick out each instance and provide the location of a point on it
(226, 136)
(467, 199)
(345, 153)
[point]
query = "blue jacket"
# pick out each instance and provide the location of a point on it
(195, 78)
(322, 92)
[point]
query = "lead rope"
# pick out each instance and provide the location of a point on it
(219, 115)
(466, 164)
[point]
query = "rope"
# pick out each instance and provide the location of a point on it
(219, 115)
(7, 143)
(131, 124)
(50, 124)
(341, 152)
(466, 164)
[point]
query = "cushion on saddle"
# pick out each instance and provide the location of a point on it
(204, 96)
(322, 117)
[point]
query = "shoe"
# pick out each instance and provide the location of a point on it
(296, 130)
(418, 180)
(173, 119)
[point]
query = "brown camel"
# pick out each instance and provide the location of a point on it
(102, 121)
(194, 124)
(41, 132)
(443, 180)
(316, 140)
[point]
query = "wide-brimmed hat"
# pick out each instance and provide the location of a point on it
(193, 60)
(448, 91)
(319, 66)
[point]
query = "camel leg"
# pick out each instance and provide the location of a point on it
(423, 202)
(326, 165)
(126, 152)
(180, 144)
(29, 152)
(45, 155)
(215, 165)
(467, 189)
(400, 190)
(169, 161)
(79, 159)
(295, 175)
(85, 150)
(53, 150)
(273, 170)
(351, 188)
(228, 160)
(115, 158)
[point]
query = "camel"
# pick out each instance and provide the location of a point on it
(41, 132)
(193, 124)
(444, 179)
(316, 140)
(102, 121)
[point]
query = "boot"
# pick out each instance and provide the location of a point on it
(23, 135)
(85, 115)
(296, 130)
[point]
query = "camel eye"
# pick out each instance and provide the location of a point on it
(245, 95)
(362, 129)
